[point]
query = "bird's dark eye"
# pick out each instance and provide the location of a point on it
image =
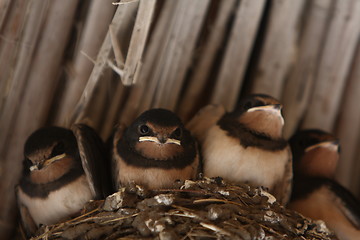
(143, 129)
(27, 163)
(178, 132)
(58, 149)
(302, 143)
(247, 105)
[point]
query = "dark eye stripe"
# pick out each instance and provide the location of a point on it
(178, 132)
(58, 149)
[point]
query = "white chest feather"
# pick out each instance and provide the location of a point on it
(153, 177)
(59, 204)
(225, 157)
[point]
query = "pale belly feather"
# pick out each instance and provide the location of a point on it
(59, 204)
(226, 158)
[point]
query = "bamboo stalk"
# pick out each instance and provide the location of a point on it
(198, 79)
(33, 42)
(132, 63)
(36, 99)
(119, 56)
(354, 186)
(113, 111)
(339, 49)
(34, 23)
(171, 73)
(95, 112)
(143, 91)
(348, 129)
(9, 38)
(298, 88)
(4, 10)
(138, 40)
(120, 22)
(278, 50)
(237, 53)
(91, 38)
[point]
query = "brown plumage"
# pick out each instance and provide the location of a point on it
(247, 145)
(154, 151)
(315, 192)
(54, 185)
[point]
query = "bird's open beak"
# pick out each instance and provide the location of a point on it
(156, 140)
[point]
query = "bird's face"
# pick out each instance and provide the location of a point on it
(157, 134)
(43, 157)
(49, 153)
(317, 153)
(262, 113)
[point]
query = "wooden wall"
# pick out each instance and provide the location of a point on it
(101, 63)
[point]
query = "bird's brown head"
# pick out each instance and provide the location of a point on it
(315, 153)
(49, 151)
(157, 134)
(261, 113)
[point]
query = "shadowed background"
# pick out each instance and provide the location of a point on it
(98, 63)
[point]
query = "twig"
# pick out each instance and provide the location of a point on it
(124, 2)
(138, 39)
(88, 57)
(120, 218)
(60, 225)
(216, 200)
(115, 68)
(215, 228)
(119, 56)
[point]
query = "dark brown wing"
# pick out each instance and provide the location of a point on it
(117, 135)
(283, 188)
(204, 119)
(349, 204)
(94, 160)
(27, 221)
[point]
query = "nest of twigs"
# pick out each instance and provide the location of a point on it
(205, 209)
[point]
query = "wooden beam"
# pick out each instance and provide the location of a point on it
(89, 44)
(4, 10)
(299, 86)
(238, 50)
(11, 30)
(339, 48)
(279, 45)
(172, 66)
(142, 92)
(138, 40)
(120, 22)
(23, 53)
(201, 70)
(348, 129)
(36, 100)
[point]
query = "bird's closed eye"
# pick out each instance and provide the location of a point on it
(247, 105)
(177, 133)
(27, 163)
(58, 149)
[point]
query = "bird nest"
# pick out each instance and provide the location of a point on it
(203, 209)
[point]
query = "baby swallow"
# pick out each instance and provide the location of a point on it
(154, 151)
(204, 119)
(315, 192)
(247, 145)
(54, 185)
